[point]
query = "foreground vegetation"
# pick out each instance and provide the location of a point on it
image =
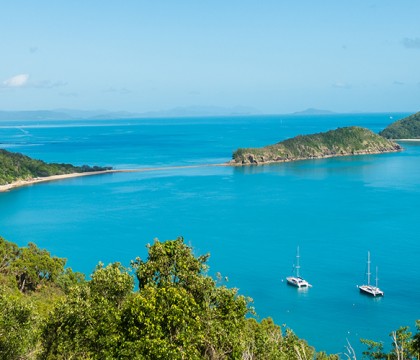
(176, 311)
(15, 166)
(340, 142)
(407, 128)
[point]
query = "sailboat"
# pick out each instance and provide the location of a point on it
(370, 289)
(295, 279)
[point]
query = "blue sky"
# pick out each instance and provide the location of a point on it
(275, 56)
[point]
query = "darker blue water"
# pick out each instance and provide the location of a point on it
(250, 219)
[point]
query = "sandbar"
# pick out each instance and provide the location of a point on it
(33, 181)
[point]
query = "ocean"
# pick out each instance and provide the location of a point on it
(251, 219)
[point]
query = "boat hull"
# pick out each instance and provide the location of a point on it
(297, 282)
(371, 290)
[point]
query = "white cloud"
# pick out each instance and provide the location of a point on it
(341, 85)
(121, 91)
(16, 81)
(48, 84)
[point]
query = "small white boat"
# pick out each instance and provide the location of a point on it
(295, 279)
(368, 288)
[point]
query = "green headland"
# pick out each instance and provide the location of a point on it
(340, 142)
(407, 128)
(15, 167)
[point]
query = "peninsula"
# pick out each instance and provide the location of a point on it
(404, 129)
(17, 170)
(340, 142)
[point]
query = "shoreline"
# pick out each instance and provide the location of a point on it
(21, 183)
(329, 156)
(231, 163)
(34, 181)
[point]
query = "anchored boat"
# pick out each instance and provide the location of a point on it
(370, 289)
(295, 279)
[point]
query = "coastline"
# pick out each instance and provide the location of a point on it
(231, 163)
(33, 181)
(20, 183)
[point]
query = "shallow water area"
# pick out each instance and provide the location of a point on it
(250, 219)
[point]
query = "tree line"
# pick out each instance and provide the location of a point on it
(16, 166)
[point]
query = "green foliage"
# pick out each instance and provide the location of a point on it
(375, 350)
(416, 341)
(339, 142)
(15, 166)
(220, 310)
(404, 345)
(31, 266)
(178, 312)
(18, 327)
(68, 279)
(8, 253)
(35, 267)
(85, 324)
(407, 128)
(162, 323)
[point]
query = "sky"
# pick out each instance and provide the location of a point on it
(276, 56)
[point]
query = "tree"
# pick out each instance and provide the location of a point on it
(221, 310)
(8, 253)
(404, 345)
(375, 350)
(161, 323)
(416, 341)
(85, 324)
(34, 267)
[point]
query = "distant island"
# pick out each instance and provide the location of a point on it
(17, 169)
(312, 111)
(340, 142)
(407, 128)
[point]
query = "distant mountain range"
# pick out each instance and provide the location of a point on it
(190, 111)
(68, 114)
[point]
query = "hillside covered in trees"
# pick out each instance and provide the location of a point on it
(173, 311)
(340, 142)
(16, 166)
(407, 128)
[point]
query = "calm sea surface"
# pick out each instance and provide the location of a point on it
(250, 219)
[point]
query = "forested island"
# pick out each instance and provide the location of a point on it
(174, 310)
(340, 142)
(18, 167)
(407, 128)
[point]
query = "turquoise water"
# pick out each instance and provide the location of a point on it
(250, 219)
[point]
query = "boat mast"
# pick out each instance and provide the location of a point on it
(376, 277)
(368, 269)
(297, 262)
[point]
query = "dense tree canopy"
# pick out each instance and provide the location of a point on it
(177, 312)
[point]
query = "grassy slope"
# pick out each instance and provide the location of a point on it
(343, 141)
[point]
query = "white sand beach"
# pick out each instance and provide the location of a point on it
(21, 183)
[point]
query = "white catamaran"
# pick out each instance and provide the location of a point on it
(296, 280)
(370, 289)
